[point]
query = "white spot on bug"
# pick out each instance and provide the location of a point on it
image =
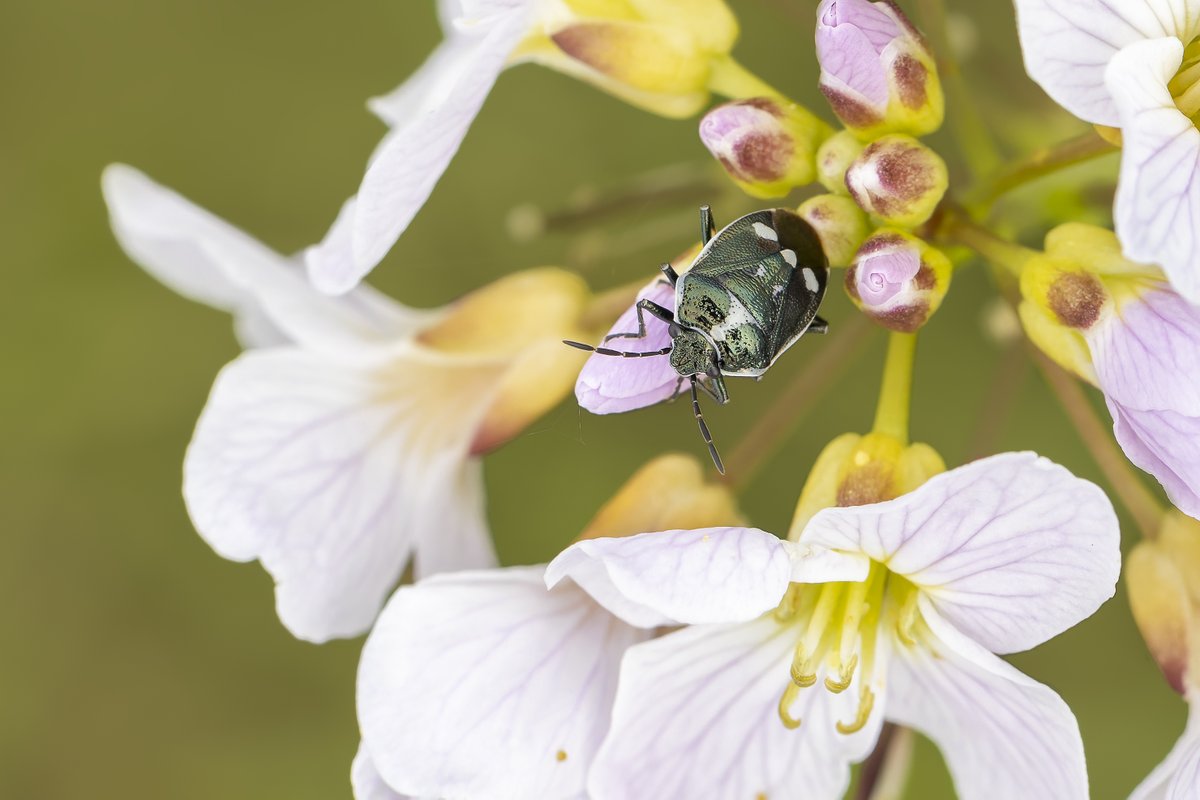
(766, 232)
(810, 280)
(789, 256)
(737, 316)
(761, 271)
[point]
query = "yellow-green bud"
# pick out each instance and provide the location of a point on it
(898, 280)
(834, 157)
(898, 180)
(840, 223)
(767, 146)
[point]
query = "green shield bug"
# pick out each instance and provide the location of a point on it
(753, 290)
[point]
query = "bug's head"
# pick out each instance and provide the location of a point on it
(691, 353)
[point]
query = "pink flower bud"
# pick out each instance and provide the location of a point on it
(876, 69)
(898, 280)
(898, 180)
(767, 146)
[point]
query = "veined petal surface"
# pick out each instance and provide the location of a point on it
(1167, 445)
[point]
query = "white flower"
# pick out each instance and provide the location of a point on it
(351, 445)
(1133, 64)
(797, 652)
(656, 54)
(486, 684)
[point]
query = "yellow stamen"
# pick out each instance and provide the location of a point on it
(785, 703)
(906, 617)
(845, 676)
(866, 701)
(804, 671)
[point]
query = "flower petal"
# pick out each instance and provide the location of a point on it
(327, 471)
(697, 715)
(610, 385)
(412, 157)
(461, 539)
(1157, 208)
(673, 577)
(485, 684)
(1165, 444)
(368, 784)
(208, 260)
(1148, 356)
(1069, 43)
(1177, 777)
(1012, 549)
(1003, 735)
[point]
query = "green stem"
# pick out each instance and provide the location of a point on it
(970, 132)
(958, 229)
(1128, 486)
(769, 433)
(1040, 162)
(895, 393)
(885, 772)
(729, 78)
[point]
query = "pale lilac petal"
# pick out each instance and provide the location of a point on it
(1165, 444)
(1012, 549)
(327, 472)
(486, 684)
(412, 157)
(674, 577)
(696, 716)
(1177, 777)
(208, 260)
(1003, 735)
(1069, 43)
(610, 385)
(849, 53)
(366, 781)
(1157, 208)
(1148, 356)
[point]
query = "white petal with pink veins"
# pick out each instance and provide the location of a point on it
(1165, 444)
(1157, 207)
(366, 781)
(486, 684)
(672, 577)
(1068, 44)
(697, 715)
(1012, 549)
(611, 385)
(328, 472)
(206, 259)
(1003, 734)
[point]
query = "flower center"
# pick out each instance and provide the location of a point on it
(1185, 86)
(839, 625)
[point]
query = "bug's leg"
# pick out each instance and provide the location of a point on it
(670, 273)
(716, 386)
(606, 351)
(678, 390)
(655, 310)
(704, 432)
(707, 226)
(818, 325)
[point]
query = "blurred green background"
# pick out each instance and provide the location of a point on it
(138, 664)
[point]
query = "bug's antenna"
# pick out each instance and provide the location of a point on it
(607, 351)
(708, 440)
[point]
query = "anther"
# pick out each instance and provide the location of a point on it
(866, 702)
(803, 675)
(845, 676)
(785, 703)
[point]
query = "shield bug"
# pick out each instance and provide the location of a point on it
(753, 290)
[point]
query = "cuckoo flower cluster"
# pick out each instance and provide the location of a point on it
(670, 649)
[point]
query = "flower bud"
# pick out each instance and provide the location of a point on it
(767, 146)
(834, 157)
(876, 70)
(655, 54)
(898, 280)
(856, 470)
(898, 180)
(670, 492)
(1163, 578)
(840, 224)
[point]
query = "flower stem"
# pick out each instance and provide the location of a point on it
(885, 772)
(730, 79)
(1139, 501)
(957, 228)
(970, 132)
(895, 392)
(1042, 161)
(801, 394)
